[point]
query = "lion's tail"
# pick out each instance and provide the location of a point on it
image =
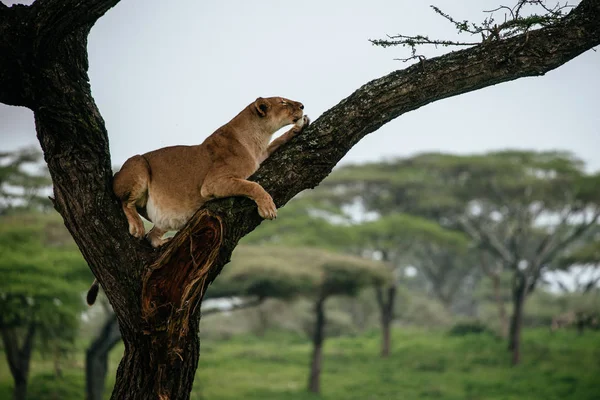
(93, 292)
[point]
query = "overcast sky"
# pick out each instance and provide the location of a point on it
(166, 73)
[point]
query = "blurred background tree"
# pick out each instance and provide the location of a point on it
(24, 181)
(42, 276)
(290, 272)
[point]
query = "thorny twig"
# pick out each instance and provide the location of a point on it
(515, 23)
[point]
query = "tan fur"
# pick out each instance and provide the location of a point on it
(168, 185)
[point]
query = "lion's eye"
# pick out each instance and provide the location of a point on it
(283, 102)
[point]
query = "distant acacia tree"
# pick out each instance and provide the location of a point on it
(42, 276)
(156, 294)
(41, 269)
(23, 179)
(438, 253)
(289, 272)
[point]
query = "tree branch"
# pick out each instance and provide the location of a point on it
(550, 251)
(247, 304)
(59, 18)
(548, 242)
(488, 239)
(33, 35)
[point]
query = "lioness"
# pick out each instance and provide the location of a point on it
(167, 186)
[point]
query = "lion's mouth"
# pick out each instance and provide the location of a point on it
(295, 119)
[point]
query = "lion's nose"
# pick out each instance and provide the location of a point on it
(301, 106)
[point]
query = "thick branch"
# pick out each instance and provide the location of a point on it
(58, 18)
(33, 36)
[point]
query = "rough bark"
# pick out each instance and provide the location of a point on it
(96, 367)
(18, 357)
(385, 301)
(316, 361)
(96, 358)
(156, 294)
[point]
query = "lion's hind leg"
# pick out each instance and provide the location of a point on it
(131, 187)
(155, 236)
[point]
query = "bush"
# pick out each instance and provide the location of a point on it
(48, 386)
(469, 327)
(423, 311)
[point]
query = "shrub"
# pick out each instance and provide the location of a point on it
(69, 386)
(469, 327)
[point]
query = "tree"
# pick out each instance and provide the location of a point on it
(402, 240)
(522, 208)
(156, 295)
(288, 272)
(338, 276)
(20, 188)
(109, 335)
(41, 271)
(96, 357)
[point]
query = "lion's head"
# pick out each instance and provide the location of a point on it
(279, 111)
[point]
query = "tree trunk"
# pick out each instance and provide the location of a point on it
(385, 301)
(496, 283)
(314, 380)
(386, 341)
(150, 369)
(156, 294)
(96, 363)
(580, 327)
(263, 321)
(514, 344)
(18, 357)
(20, 391)
(96, 358)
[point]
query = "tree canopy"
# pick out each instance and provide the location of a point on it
(287, 272)
(22, 180)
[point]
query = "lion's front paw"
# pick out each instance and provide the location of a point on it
(301, 124)
(267, 209)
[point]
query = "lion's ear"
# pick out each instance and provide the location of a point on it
(261, 106)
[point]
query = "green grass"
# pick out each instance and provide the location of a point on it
(423, 365)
